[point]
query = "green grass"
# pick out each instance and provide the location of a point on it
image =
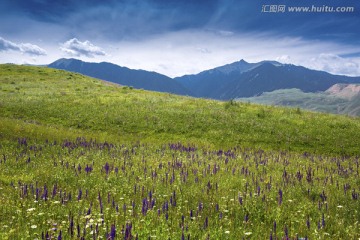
(52, 99)
(168, 165)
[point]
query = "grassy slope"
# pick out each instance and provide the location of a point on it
(44, 186)
(49, 103)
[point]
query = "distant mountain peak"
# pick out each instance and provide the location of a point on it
(239, 66)
(243, 79)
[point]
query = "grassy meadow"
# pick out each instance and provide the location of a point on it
(85, 159)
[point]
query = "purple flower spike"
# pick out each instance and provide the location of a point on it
(79, 195)
(246, 218)
(286, 232)
(113, 232)
(308, 223)
(274, 227)
(280, 196)
(60, 236)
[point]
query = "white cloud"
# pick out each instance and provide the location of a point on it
(203, 50)
(335, 64)
(184, 52)
(75, 47)
(32, 49)
(6, 45)
(28, 48)
(284, 59)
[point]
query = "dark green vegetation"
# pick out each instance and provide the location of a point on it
(81, 158)
(321, 101)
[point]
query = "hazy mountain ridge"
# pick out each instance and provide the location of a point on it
(339, 99)
(122, 75)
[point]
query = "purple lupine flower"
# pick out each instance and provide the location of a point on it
(274, 226)
(54, 190)
(89, 210)
(128, 229)
(107, 168)
(78, 231)
(45, 193)
(286, 232)
(152, 203)
(112, 232)
(79, 194)
(200, 206)
(280, 196)
(206, 223)
(144, 206)
(308, 222)
(60, 236)
(246, 218)
(71, 228)
(323, 221)
(354, 195)
(87, 168)
(240, 200)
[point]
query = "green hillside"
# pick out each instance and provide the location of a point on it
(85, 159)
(47, 103)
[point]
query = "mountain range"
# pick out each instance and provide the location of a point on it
(243, 79)
(140, 79)
(236, 80)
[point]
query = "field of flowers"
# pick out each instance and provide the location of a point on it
(83, 189)
(84, 159)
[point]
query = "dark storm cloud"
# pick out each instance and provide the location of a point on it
(129, 19)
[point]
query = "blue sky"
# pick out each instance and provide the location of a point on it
(177, 37)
